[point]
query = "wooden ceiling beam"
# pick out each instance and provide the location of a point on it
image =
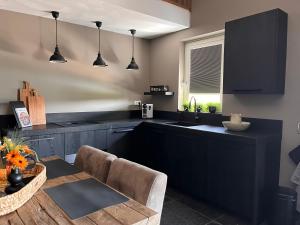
(186, 4)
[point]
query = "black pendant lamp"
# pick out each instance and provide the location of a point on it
(99, 62)
(132, 65)
(56, 57)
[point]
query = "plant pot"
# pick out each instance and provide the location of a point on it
(15, 178)
(186, 109)
(212, 109)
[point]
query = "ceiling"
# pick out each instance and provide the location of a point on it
(151, 18)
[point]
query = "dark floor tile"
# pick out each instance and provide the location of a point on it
(180, 209)
(212, 212)
(172, 193)
(191, 202)
(205, 209)
(232, 220)
(175, 213)
(213, 223)
(168, 199)
(169, 218)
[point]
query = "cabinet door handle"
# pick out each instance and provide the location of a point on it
(248, 90)
(122, 131)
(41, 139)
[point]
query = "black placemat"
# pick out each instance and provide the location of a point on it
(58, 167)
(83, 197)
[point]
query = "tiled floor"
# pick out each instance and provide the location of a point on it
(183, 210)
(180, 209)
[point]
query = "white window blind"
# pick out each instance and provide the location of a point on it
(205, 69)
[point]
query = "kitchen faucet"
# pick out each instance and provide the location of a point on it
(195, 107)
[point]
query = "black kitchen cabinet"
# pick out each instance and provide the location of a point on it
(186, 158)
(74, 140)
(47, 145)
(155, 150)
(255, 54)
(230, 175)
(118, 140)
(238, 174)
(100, 139)
(94, 138)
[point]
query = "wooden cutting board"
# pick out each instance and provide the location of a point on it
(24, 93)
(36, 108)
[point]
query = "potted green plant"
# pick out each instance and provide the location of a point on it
(213, 107)
(185, 106)
(199, 107)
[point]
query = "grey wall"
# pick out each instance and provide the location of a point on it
(26, 43)
(209, 16)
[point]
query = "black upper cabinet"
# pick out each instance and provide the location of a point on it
(255, 54)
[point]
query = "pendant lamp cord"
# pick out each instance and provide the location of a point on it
(99, 39)
(132, 45)
(56, 31)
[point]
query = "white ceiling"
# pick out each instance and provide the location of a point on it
(151, 18)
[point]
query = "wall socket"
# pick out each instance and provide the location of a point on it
(138, 103)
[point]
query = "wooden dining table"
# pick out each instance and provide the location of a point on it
(42, 210)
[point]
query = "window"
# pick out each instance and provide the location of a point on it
(203, 72)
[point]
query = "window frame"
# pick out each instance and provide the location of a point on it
(205, 40)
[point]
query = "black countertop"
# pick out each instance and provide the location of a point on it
(250, 133)
(63, 127)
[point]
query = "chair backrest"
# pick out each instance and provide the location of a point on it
(141, 183)
(94, 161)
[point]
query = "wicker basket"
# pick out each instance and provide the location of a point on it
(10, 203)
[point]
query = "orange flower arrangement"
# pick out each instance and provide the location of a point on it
(12, 155)
(19, 162)
(15, 152)
(27, 150)
(15, 159)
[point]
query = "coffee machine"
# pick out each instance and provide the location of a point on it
(147, 111)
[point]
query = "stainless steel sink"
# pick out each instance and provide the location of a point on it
(183, 124)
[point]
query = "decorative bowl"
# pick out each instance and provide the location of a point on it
(236, 126)
(9, 203)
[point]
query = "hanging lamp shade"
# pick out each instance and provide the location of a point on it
(132, 65)
(99, 62)
(57, 56)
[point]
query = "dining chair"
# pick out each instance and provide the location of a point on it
(94, 161)
(141, 183)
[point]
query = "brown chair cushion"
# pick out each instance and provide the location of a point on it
(141, 183)
(94, 161)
